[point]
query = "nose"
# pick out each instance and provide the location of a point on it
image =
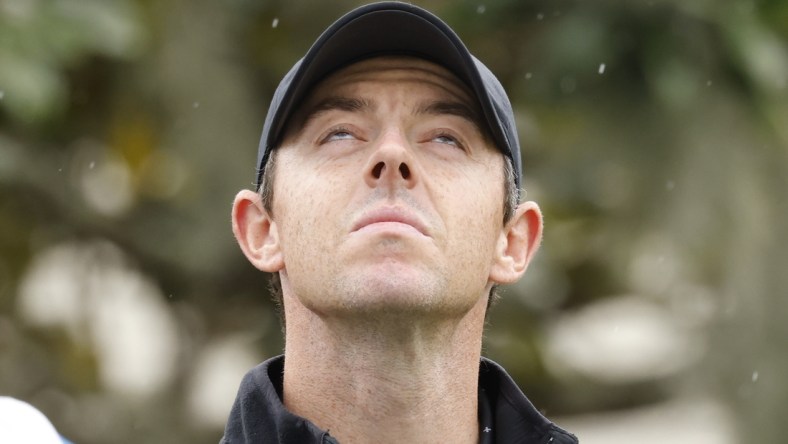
(391, 163)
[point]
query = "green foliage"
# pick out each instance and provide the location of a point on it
(654, 136)
(40, 40)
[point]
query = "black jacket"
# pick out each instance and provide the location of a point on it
(505, 414)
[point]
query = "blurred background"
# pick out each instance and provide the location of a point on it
(655, 138)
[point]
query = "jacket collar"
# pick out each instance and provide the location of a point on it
(505, 414)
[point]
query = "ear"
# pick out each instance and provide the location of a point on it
(256, 232)
(517, 244)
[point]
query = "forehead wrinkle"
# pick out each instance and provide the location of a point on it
(445, 100)
(436, 78)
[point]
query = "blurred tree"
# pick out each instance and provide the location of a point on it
(654, 134)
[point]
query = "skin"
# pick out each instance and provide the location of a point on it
(386, 232)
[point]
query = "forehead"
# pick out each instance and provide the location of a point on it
(394, 71)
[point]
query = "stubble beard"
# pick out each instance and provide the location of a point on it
(391, 297)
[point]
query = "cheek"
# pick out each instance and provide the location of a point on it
(297, 215)
(479, 218)
(483, 195)
(476, 217)
(307, 210)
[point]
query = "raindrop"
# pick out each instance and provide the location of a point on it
(275, 23)
(2, 94)
(708, 83)
(196, 105)
(669, 185)
(539, 16)
(755, 376)
(601, 68)
(480, 9)
(92, 165)
(528, 76)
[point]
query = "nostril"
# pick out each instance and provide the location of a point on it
(404, 170)
(378, 170)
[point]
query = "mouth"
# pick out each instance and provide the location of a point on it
(390, 219)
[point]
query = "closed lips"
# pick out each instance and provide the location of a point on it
(389, 215)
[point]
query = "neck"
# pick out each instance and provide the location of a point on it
(413, 380)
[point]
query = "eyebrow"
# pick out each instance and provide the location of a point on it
(355, 104)
(349, 104)
(452, 108)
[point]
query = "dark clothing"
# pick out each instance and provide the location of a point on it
(505, 414)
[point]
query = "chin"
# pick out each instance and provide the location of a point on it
(401, 291)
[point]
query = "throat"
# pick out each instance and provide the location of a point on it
(365, 384)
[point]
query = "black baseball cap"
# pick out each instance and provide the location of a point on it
(390, 28)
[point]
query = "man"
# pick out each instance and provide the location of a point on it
(389, 171)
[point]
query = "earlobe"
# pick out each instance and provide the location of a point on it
(256, 232)
(517, 244)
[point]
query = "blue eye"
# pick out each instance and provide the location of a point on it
(340, 135)
(448, 140)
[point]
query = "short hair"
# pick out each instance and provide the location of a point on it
(510, 201)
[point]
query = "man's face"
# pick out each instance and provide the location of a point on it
(388, 195)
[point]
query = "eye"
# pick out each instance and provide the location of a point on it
(447, 139)
(340, 135)
(443, 138)
(336, 134)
